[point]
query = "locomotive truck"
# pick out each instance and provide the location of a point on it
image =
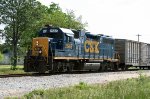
(60, 50)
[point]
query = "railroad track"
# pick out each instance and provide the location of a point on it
(23, 75)
(14, 75)
(49, 74)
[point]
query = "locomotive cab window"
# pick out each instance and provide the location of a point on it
(108, 41)
(92, 37)
(76, 34)
(68, 38)
(53, 35)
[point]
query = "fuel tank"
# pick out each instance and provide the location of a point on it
(91, 66)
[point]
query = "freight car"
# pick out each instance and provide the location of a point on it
(59, 50)
(133, 53)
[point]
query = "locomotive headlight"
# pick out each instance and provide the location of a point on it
(37, 43)
(40, 51)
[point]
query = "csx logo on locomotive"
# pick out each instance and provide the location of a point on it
(91, 46)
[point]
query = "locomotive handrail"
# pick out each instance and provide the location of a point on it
(45, 51)
(94, 52)
(103, 54)
(84, 53)
(51, 56)
(89, 53)
(78, 51)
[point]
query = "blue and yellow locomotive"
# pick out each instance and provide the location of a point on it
(59, 50)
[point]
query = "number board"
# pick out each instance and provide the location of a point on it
(53, 30)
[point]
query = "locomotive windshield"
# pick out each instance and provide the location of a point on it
(53, 35)
(108, 41)
(91, 36)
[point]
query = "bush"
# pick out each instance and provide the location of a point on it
(82, 85)
(35, 93)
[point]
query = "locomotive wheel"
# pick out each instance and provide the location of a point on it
(140, 67)
(104, 66)
(70, 67)
(112, 66)
(100, 68)
(116, 67)
(122, 67)
(41, 68)
(54, 68)
(60, 67)
(26, 67)
(126, 67)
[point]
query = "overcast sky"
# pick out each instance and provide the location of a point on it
(117, 18)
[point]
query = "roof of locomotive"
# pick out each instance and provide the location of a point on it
(91, 35)
(49, 29)
(67, 31)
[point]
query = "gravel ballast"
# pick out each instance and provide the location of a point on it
(16, 86)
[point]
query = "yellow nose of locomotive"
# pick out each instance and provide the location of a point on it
(40, 46)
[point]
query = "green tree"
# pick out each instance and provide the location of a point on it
(24, 18)
(52, 15)
(34, 26)
(1, 46)
(17, 15)
(1, 56)
(57, 17)
(53, 8)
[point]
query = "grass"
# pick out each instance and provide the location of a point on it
(125, 89)
(6, 69)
